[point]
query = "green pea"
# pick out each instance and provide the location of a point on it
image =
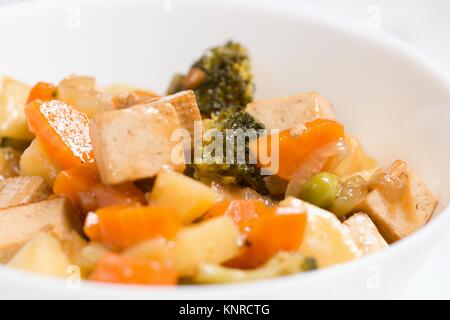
(321, 190)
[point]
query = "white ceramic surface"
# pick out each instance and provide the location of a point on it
(391, 97)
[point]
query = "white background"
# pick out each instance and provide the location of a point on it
(424, 24)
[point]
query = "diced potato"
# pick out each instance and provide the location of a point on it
(191, 198)
(158, 249)
(83, 254)
(22, 190)
(19, 224)
(287, 112)
(35, 162)
(135, 142)
(356, 161)
(13, 97)
(42, 254)
(9, 162)
(214, 241)
(400, 203)
(365, 233)
(325, 238)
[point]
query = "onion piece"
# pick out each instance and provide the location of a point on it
(80, 92)
(311, 166)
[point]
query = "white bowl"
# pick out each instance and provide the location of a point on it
(389, 96)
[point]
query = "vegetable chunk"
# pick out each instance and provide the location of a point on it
(325, 239)
(123, 226)
(192, 198)
(400, 202)
(287, 112)
(20, 224)
(36, 162)
(214, 241)
(13, 97)
(62, 130)
(135, 142)
(22, 190)
(42, 254)
(121, 269)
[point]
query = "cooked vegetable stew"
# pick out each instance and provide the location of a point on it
(99, 178)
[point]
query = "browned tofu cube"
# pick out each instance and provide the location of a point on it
(22, 190)
(400, 202)
(287, 112)
(186, 107)
(365, 233)
(9, 162)
(20, 224)
(135, 142)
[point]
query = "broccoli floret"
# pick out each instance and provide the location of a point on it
(243, 174)
(221, 79)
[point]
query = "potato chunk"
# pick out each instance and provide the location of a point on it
(287, 112)
(365, 233)
(42, 254)
(215, 241)
(400, 202)
(325, 239)
(190, 197)
(135, 142)
(22, 190)
(13, 97)
(36, 162)
(20, 224)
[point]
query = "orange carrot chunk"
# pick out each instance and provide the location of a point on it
(281, 230)
(43, 91)
(122, 269)
(83, 186)
(62, 130)
(245, 213)
(122, 226)
(75, 180)
(295, 149)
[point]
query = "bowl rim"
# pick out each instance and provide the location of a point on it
(287, 10)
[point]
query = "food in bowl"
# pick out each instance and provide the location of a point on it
(201, 185)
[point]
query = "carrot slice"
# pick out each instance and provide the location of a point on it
(281, 230)
(123, 226)
(122, 269)
(43, 91)
(245, 213)
(62, 130)
(75, 180)
(83, 186)
(295, 149)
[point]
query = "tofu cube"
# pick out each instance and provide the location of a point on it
(22, 190)
(398, 218)
(287, 112)
(19, 224)
(134, 143)
(365, 233)
(186, 107)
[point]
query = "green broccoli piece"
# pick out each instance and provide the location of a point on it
(243, 174)
(221, 79)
